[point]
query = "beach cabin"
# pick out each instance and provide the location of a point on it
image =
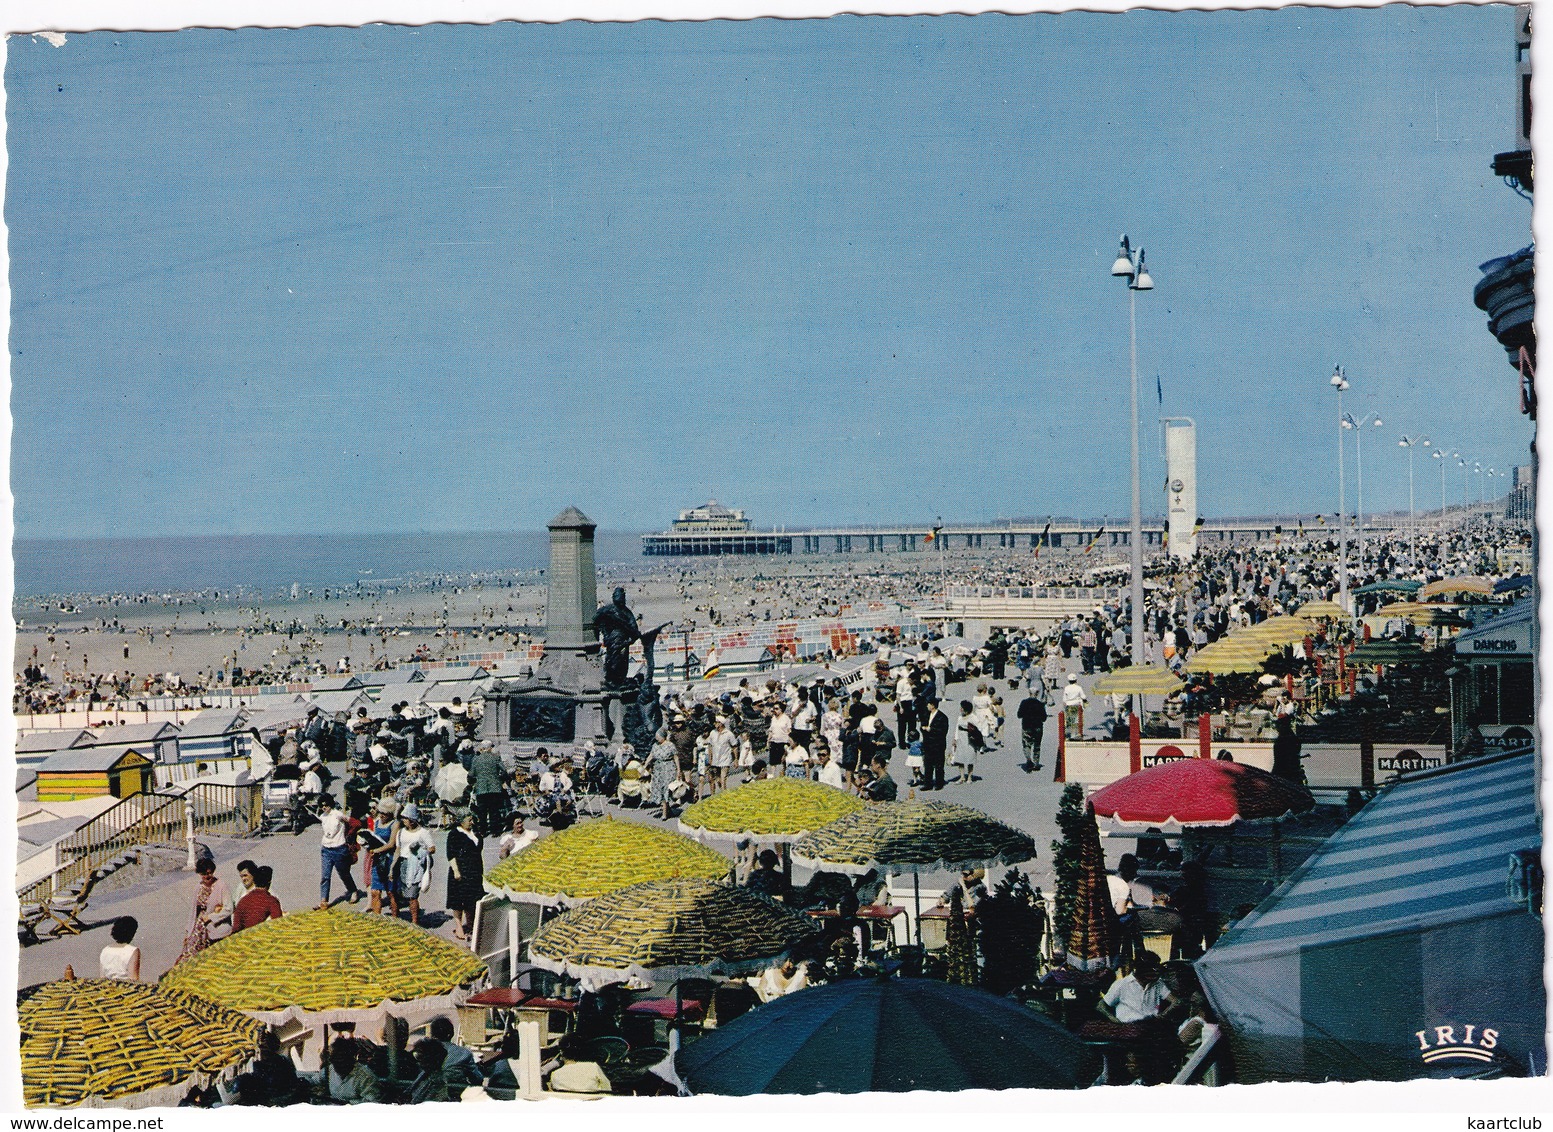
(440, 694)
(344, 683)
(219, 739)
(372, 681)
(158, 740)
(390, 694)
(34, 748)
(115, 770)
(332, 703)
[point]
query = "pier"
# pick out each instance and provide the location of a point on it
(1027, 535)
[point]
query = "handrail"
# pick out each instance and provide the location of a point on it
(1202, 1062)
(204, 807)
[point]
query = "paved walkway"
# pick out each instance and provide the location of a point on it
(164, 904)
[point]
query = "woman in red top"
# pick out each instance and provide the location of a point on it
(258, 905)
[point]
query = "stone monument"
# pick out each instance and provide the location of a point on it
(574, 693)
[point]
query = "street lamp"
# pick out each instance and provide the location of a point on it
(1466, 492)
(1444, 457)
(1340, 383)
(1137, 275)
(1358, 435)
(1410, 443)
(1478, 468)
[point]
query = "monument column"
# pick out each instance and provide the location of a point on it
(573, 590)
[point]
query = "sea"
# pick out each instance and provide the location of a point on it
(264, 565)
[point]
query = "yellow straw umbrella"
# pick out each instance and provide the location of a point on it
(94, 1040)
(770, 811)
(1471, 584)
(330, 965)
(1138, 680)
(668, 929)
(1323, 609)
(1225, 663)
(596, 857)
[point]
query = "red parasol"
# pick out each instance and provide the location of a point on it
(1198, 792)
(1095, 938)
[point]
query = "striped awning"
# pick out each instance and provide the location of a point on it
(1433, 849)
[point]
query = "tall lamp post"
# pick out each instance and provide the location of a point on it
(1358, 448)
(1133, 270)
(1340, 383)
(1478, 468)
(1443, 457)
(1466, 492)
(1410, 443)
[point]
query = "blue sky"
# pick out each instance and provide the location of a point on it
(453, 278)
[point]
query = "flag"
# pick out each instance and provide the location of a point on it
(715, 670)
(1160, 389)
(1302, 528)
(1322, 519)
(933, 534)
(1040, 542)
(1198, 525)
(1094, 540)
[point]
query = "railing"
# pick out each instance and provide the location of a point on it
(1064, 593)
(150, 819)
(1202, 1067)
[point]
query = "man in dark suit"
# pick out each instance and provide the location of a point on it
(935, 742)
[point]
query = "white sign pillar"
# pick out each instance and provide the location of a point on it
(1181, 484)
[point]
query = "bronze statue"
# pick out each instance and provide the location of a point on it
(617, 627)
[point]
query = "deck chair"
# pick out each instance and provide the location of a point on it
(65, 908)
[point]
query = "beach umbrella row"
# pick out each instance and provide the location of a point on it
(96, 1040)
(599, 857)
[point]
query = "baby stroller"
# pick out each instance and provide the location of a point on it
(600, 775)
(278, 803)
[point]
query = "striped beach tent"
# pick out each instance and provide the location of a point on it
(1410, 945)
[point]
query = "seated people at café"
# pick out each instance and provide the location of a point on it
(1128, 893)
(973, 890)
(780, 979)
(1136, 997)
(575, 1074)
(257, 904)
(502, 1073)
(458, 1064)
(766, 878)
(430, 1084)
(345, 1080)
(271, 1078)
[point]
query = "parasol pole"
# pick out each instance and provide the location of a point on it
(916, 900)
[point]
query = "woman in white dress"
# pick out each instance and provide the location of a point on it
(962, 751)
(984, 717)
(121, 958)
